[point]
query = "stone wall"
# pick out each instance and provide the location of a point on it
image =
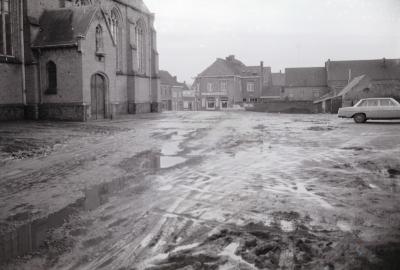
(281, 106)
(11, 112)
(63, 111)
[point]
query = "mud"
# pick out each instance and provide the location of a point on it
(228, 190)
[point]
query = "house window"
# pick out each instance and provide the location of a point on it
(51, 69)
(5, 28)
(209, 87)
(250, 87)
(141, 46)
(223, 85)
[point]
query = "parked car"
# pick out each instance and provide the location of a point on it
(372, 108)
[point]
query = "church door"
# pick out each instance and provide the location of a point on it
(98, 90)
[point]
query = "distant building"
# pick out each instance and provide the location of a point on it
(191, 100)
(350, 81)
(177, 95)
(166, 83)
(304, 84)
(77, 59)
(228, 81)
(171, 92)
(277, 88)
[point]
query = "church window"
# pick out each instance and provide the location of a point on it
(51, 78)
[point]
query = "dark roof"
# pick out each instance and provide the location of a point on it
(166, 78)
(61, 27)
(278, 79)
(380, 69)
(305, 77)
(224, 67)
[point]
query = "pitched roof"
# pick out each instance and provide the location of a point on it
(223, 67)
(278, 79)
(167, 78)
(62, 27)
(378, 69)
(305, 77)
(356, 81)
(136, 4)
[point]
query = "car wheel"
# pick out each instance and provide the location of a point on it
(360, 118)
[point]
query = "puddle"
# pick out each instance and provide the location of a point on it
(169, 162)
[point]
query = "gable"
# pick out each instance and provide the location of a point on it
(305, 77)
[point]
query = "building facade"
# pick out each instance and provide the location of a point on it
(228, 81)
(77, 60)
(304, 84)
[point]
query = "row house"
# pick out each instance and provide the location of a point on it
(77, 59)
(228, 82)
(172, 92)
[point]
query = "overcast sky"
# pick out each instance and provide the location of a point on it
(282, 33)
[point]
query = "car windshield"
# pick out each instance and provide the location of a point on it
(361, 103)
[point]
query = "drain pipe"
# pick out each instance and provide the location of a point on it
(22, 41)
(151, 65)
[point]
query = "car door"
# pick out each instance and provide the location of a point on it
(387, 108)
(394, 111)
(372, 110)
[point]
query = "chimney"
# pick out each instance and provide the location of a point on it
(230, 57)
(261, 74)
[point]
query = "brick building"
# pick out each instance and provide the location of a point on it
(171, 92)
(350, 81)
(228, 81)
(77, 59)
(304, 84)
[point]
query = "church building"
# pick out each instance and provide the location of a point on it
(77, 60)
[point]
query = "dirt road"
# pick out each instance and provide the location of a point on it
(206, 190)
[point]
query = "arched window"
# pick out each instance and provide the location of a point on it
(51, 78)
(99, 39)
(116, 31)
(5, 28)
(141, 46)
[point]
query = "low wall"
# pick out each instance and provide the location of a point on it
(137, 108)
(283, 106)
(11, 112)
(64, 112)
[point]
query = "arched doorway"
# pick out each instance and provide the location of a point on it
(98, 96)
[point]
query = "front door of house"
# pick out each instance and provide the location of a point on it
(98, 89)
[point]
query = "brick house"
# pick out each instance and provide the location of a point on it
(77, 60)
(228, 81)
(304, 84)
(166, 83)
(191, 99)
(277, 87)
(171, 92)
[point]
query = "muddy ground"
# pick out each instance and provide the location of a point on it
(204, 190)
